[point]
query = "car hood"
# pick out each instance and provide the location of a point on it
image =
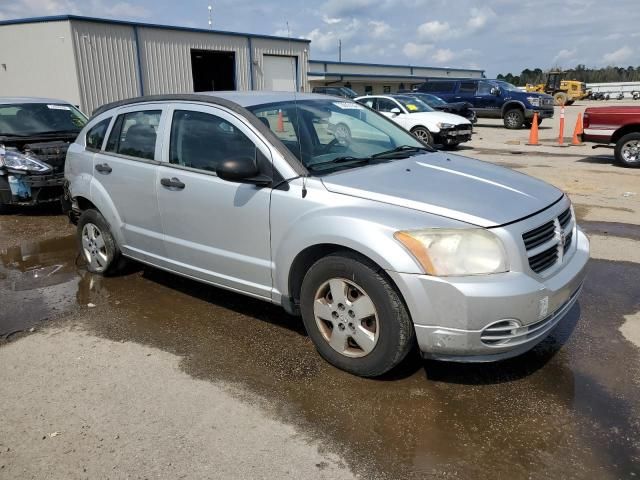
(437, 116)
(451, 186)
(628, 109)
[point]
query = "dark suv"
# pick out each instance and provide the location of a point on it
(493, 99)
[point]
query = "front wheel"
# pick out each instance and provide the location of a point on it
(529, 123)
(422, 134)
(97, 245)
(627, 151)
(354, 315)
(513, 119)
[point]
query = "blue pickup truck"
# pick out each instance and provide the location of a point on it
(493, 99)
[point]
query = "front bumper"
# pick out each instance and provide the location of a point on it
(451, 315)
(453, 135)
(542, 112)
(34, 189)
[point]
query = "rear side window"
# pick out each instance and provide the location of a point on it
(95, 135)
(134, 134)
(203, 141)
(438, 87)
(467, 87)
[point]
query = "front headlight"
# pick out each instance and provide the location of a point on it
(454, 252)
(534, 101)
(445, 125)
(18, 161)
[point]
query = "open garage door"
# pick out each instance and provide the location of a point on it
(213, 70)
(280, 73)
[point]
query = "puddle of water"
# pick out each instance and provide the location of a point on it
(564, 410)
(624, 230)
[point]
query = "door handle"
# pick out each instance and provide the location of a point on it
(104, 168)
(173, 183)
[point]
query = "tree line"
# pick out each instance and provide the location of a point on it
(580, 72)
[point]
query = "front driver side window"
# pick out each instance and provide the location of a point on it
(386, 105)
(484, 88)
(203, 141)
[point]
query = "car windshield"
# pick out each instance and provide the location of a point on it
(431, 100)
(331, 134)
(29, 119)
(507, 86)
(413, 104)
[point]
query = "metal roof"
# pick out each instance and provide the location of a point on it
(62, 18)
(360, 64)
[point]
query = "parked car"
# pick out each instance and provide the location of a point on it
(493, 99)
(427, 124)
(34, 136)
(617, 126)
(337, 91)
(379, 245)
(464, 109)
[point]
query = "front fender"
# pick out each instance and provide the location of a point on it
(513, 103)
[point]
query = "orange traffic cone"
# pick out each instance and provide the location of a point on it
(280, 121)
(533, 133)
(577, 132)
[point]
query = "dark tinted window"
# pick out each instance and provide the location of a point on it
(386, 105)
(35, 118)
(468, 87)
(203, 141)
(484, 88)
(135, 133)
(95, 136)
(438, 87)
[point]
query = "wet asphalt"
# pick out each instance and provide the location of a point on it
(570, 408)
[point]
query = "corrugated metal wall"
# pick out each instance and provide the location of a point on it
(106, 63)
(166, 58)
(263, 47)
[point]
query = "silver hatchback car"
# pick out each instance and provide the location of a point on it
(378, 241)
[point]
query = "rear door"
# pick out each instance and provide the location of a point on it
(125, 175)
(466, 91)
(445, 89)
(214, 230)
(485, 103)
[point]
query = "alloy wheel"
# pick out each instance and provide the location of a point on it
(631, 151)
(94, 248)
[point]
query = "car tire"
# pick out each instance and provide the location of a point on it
(423, 134)
(529, 123)
(513, 119)
(560, 98)
(627, 151)
(349, 295)
(97, 245)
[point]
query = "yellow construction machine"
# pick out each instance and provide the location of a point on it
(564, 92)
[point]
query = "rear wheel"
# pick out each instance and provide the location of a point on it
(627, 151)
(422, 134)
(513, 119)
(354, 315)
(97, 245)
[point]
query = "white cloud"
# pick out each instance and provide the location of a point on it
(378, 28)
(435, 30)
(416, 50)
(327, 40)
(97, 8)
(338, 8)
(443, 55)
(480, 17)
(618, 56)
(330, 20)
(565, 54)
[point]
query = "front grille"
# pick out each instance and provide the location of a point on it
(547, 244)
(52, 153)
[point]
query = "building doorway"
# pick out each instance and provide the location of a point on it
(213, 70)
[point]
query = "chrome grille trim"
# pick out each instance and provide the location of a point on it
(547, 244)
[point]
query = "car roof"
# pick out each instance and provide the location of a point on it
(16, 100)
(259, 97)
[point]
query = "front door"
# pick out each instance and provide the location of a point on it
(125, 175)
(214, 230)
(486, 103)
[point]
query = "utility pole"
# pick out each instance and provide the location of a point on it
(340, 50)
(210, 20)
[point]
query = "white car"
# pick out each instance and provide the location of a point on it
(429, 125)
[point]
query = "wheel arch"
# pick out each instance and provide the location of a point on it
(510, 105)
(625, 130)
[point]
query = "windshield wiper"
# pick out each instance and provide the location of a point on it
(347, 159)
(57, 132)
(401, 150)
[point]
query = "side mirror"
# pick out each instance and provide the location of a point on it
(495, 91)
(242, 170)
(396, 111)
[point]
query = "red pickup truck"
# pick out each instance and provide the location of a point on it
(618, 127)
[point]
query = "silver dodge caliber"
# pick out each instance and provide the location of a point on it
(375, 239)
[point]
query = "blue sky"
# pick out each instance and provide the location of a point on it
(499, 36)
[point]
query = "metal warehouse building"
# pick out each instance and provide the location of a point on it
(371, 78)
(90, 61)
